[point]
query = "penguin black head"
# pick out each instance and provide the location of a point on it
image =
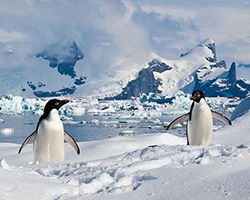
(54, 104)
(197, 95)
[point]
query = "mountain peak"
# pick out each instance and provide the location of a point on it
(205, 49)
(63, 56)
(197, 69)
(207, 41)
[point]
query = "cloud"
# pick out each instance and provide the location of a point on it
(6, 37)
(115, 29)
(225, 21)
(118, 37)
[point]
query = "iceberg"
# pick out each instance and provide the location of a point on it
(17, 104)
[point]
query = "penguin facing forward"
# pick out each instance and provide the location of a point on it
(49, 135)
(199, 120)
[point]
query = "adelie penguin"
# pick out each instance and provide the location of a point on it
(49, 135)
(199, 120)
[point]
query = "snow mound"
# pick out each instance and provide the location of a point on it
(127, 172)
(236, 134)
(241, 109)
(117, 174)
(4, 165)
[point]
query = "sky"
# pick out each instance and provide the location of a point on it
(120, 35)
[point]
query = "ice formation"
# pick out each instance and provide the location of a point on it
(7, 131)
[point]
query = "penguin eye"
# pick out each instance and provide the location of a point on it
(56, 103)
(198, 95)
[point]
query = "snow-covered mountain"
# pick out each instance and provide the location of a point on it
(226, 84)
(58, 70)
(196, 69)
(50, 72)
(63, 57)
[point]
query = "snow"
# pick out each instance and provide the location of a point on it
(147, 166)
(241, 109)
(183, 68)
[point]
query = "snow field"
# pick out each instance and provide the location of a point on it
(109, 167)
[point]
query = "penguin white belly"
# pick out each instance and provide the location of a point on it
(49, 142)
(201, 125)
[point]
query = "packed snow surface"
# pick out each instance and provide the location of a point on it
(148, 166)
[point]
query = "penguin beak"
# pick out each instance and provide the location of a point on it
(194, 98)
(62, 102)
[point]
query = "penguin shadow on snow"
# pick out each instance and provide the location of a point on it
(49, 135)
(199, 120)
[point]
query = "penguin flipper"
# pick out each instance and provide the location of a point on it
(26, 141)
(68, 138)
(178, 120)
(221, 117)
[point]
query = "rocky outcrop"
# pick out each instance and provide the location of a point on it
(145, 82)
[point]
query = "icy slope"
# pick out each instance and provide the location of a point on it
(241, 109)
(140, 167)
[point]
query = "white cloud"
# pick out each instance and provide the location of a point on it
(129, 27)
(119, 35)
(225, 21)
(6, 37)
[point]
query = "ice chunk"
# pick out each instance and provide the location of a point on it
(16, 104)
(93, 102)
(73, 109)
(4, 164)
(39, 112)
(94, 121)
(65, 118)
(126, 132)
(7, 131)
